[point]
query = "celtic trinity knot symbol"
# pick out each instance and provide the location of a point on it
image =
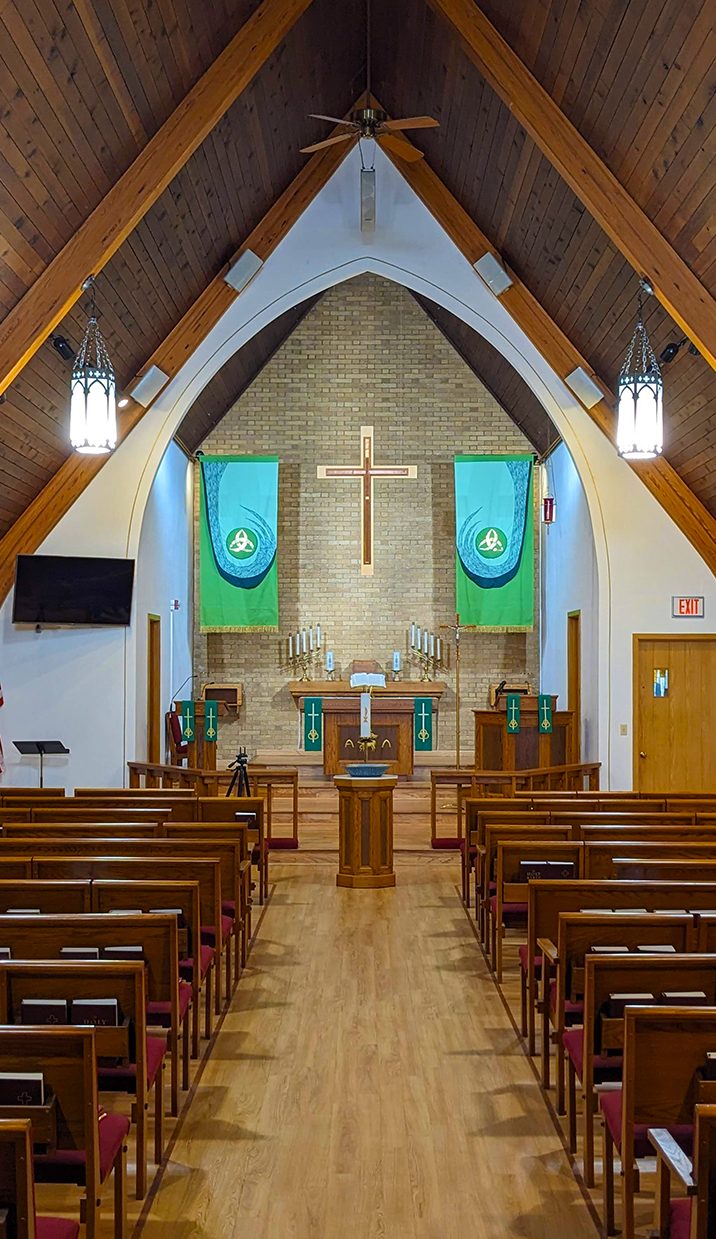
(241, 542)
(491, 542)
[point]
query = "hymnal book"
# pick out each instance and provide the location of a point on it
(123, 952)
(100, 1012)
(609, 950)
(597, 911)
(671, 912)
(685, 998)
(709, 1068)
(5, 952)
(124, 912)
(658, 949)
(534, 870)
(43, 1011)
(167, 911)
(22, 1088)
(79, 952)
(633, 911)
(617, 1003)
(23, 912)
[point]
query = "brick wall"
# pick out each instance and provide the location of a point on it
(366, 354)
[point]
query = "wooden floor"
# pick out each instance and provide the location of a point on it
(366, 1082)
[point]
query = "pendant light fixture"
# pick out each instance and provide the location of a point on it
(93, 408)
(640, 390)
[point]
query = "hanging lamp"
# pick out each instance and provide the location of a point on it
(640, 390)
(93, 407)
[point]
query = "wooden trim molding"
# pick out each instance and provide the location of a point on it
(60, 285)
(680, 292)
(665, 484)
(76, 472)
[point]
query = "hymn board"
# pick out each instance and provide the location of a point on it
(367, 471)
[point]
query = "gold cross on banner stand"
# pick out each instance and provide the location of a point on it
(367, 471)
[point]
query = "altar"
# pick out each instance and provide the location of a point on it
(392, 710)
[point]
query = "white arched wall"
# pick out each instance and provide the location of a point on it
(642, 557)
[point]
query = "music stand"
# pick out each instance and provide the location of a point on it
(40, 748)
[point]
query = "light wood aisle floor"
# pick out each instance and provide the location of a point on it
(367, 1082)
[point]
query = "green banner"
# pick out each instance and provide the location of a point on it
(544, 710)
(238, 572)
(313, 724)
(494, 541)
(211, 721)
(512, 713)
(423, 730)
(188, 723)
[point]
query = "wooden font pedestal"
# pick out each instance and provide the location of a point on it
(365, 831)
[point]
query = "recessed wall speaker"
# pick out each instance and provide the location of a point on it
(243, 270)
(148, 386)
(493, 273)
(367, 200)
(584, 388)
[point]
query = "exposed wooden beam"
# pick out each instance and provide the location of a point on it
(60, 285)
(76, 472)
(628, 227)
(679, 502)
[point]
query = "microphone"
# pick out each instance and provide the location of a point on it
(500, 690)
(192, 677)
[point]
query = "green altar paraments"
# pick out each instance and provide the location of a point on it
(494, 540)
(188, 722)
(544, 710)
(313, 724)
(512, 717)
(211, 721)
(238, 572)
(423, 719)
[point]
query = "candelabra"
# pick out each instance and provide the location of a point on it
(303, 653)
(303, 663)
(427, 663)
(425, 649)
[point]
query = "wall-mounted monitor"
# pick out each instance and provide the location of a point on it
(72, 589)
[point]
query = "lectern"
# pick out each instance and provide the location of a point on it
(365, 825)
(41, 749)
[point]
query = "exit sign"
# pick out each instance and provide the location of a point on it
(687, 608)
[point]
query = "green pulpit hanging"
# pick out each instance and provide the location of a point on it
(313, 724)
(211, 721)
(544, 712)
(423, 729)
(513, 702)
(188, 721)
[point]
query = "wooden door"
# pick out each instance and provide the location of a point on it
(674, 727)
(154, 688)
(574, 677)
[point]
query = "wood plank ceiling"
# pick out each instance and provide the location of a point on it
(84, 83)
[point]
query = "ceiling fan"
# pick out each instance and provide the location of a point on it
(373, 123)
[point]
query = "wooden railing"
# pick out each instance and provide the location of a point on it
(571, 777)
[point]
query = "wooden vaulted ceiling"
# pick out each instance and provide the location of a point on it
(85, 83)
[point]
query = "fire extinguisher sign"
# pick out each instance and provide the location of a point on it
(687, 608)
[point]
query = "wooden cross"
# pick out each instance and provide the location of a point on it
(367, 471)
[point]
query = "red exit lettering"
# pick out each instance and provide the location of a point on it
(688, 607)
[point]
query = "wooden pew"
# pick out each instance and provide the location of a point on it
(546, 900)
(563, 981)
(81, 830)
(31, 793)
(17, 1189)
(486, 861)
(478, 816)
(42, 938)
(603, 1036)
(511, 883)
(603, 860)
(71, 897)
(87, 1149)
(14, 866)
(169, 867)
(169, 794)
(113, 893)
(224, 809)
(675, 869)
(13, 814)
(228, 832)
(652, 1096)
(97, 813)
(144, 1063)
(176, 809)
(694, 1214)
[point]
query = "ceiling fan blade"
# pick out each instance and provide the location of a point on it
(412, 122)
(407, 152)
(320, 146)
(337, 120)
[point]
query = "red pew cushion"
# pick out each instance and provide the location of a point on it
(680, 1219)
(161, 1012)
(56, 1228)
(511, 912)
(610, 1105)
(206, 959)
(604, 1067)
(124, 1078)
(524, 959)
(208, 932)
(228, 907)
(68, 1165)
(571, 1009)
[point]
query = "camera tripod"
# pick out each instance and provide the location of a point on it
(240, 777)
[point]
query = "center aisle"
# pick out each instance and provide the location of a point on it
(367, 1082)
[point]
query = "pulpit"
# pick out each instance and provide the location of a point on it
(497, 748)
(201, 748)
(365, 828)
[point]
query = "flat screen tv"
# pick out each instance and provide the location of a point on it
(72, 589)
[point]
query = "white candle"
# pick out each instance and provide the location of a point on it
(364, 715)
(396, 660)
(310, 638)
(417, 637)
(329, 660)
(425, 641)
(412, 636)
(304, 643)
(440, 650)
(318, 635)
(290, 645)
(297, 646)
(432, 644)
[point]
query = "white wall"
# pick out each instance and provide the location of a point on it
(80, 685)
(569, 583)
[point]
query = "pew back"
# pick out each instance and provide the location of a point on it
(47, 896)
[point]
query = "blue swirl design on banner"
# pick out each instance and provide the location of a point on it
(249, 572)
(493, 573)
